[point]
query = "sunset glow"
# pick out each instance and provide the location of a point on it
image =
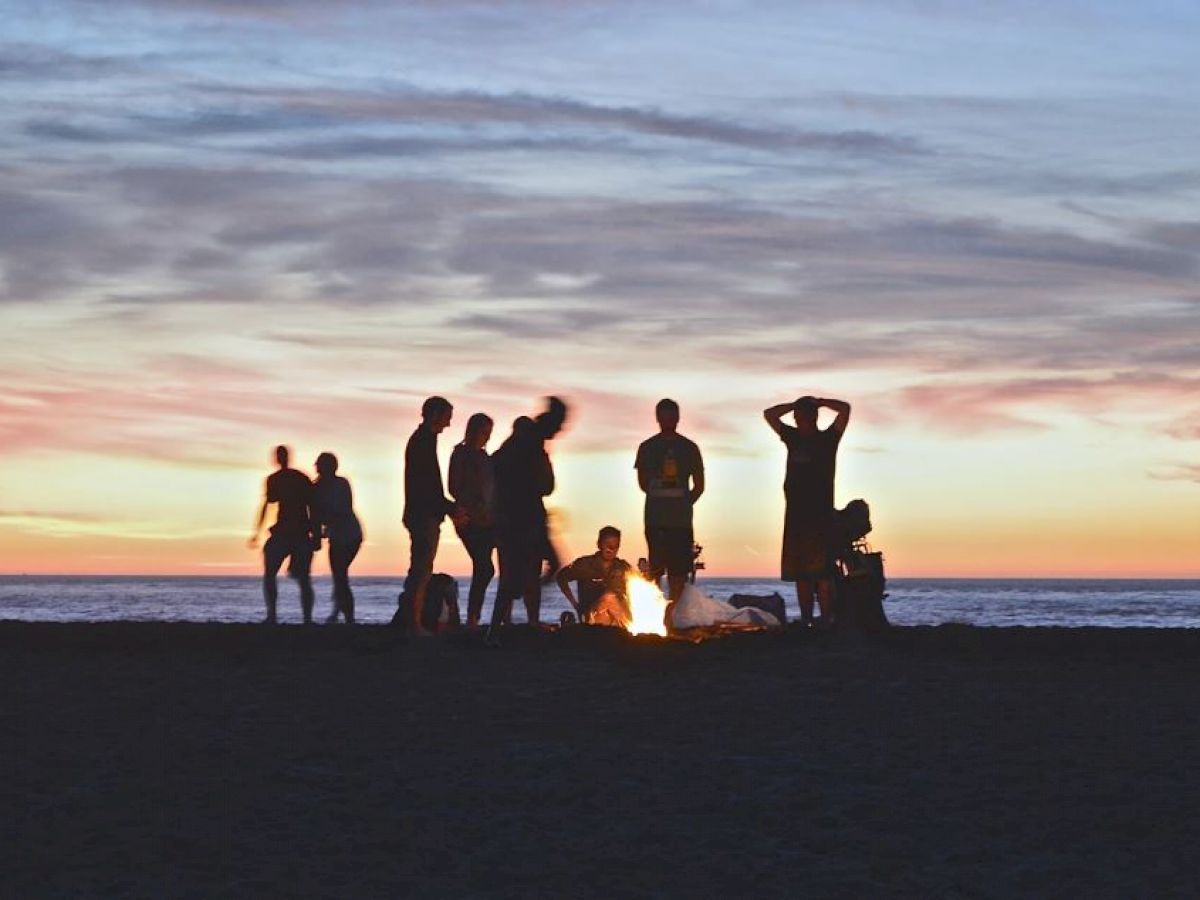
(229, 226)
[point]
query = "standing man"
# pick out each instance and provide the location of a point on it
(807, 557)
(671, 474)
(292, 536)
(425, 504)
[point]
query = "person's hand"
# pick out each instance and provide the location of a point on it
(252, 542)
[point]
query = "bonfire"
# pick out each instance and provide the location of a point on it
(647, 606)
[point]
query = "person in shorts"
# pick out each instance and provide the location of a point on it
(670, 472)
(293, 536)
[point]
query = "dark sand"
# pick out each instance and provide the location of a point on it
(228, 761)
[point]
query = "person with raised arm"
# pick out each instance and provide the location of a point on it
(293, 536)
(807, 557)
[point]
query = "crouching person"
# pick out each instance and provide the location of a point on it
(603, 597)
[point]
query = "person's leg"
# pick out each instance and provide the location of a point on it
(423, 544)
(656, 565)
(274, 553)
(804, 596)
(347, 602)
(531, 586)
(678, 552)
(479, 544)
(340, 557)
(301, 568)
(826, 599)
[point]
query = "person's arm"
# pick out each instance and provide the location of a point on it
(564, 584)
(252, 542)
(842, 408)
(698, 478)
(314, 517)
(643, 472)
(774, 416)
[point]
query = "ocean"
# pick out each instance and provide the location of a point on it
(1146, 603)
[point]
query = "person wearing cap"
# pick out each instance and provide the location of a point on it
(807, 558)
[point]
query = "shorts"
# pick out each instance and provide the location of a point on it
(297, 549)
(423, 546)
(670, 549)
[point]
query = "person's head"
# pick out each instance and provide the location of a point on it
(327, 465)
(435, 412)
(667, 413)
(479, 431)
(608, 542)
(805, 411)
(282, 455)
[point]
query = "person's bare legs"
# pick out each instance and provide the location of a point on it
(825, 599)
(804, 596)
(273, 558)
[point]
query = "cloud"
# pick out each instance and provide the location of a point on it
(1180, 472)
(1015, 404)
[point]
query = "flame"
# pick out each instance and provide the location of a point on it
(648, 606)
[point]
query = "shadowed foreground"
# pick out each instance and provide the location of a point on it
(213, 760)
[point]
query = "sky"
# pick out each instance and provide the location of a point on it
(228, 224)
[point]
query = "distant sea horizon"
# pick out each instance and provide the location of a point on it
(982, 601)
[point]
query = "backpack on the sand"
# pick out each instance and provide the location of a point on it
(861, 584)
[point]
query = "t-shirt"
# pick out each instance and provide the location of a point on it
(293, 492)
(671, 464)
(424, 498)
(593, 582)
(811, 466)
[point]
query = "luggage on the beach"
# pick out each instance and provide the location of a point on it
(696, 610)
(861, 588)
(858, 573)
(772, 603)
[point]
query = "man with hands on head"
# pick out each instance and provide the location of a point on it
(807, 557)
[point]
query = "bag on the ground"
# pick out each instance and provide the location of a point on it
(861, 588)
(695, 609)
(771, 603)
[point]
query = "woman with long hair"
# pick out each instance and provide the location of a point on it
(334, 519)
(472, 486)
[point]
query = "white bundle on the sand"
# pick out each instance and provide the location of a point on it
(695, 609)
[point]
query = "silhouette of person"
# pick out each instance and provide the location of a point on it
(473, 487)
(334, 519)
(524, 477)
(671, 474)
(293, 536)
(807, 557)
(601, 579)
(425, 504)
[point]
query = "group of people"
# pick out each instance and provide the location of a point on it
(496, 503)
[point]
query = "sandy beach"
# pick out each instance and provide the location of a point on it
(152, 760)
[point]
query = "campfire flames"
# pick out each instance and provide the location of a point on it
(648, 606)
